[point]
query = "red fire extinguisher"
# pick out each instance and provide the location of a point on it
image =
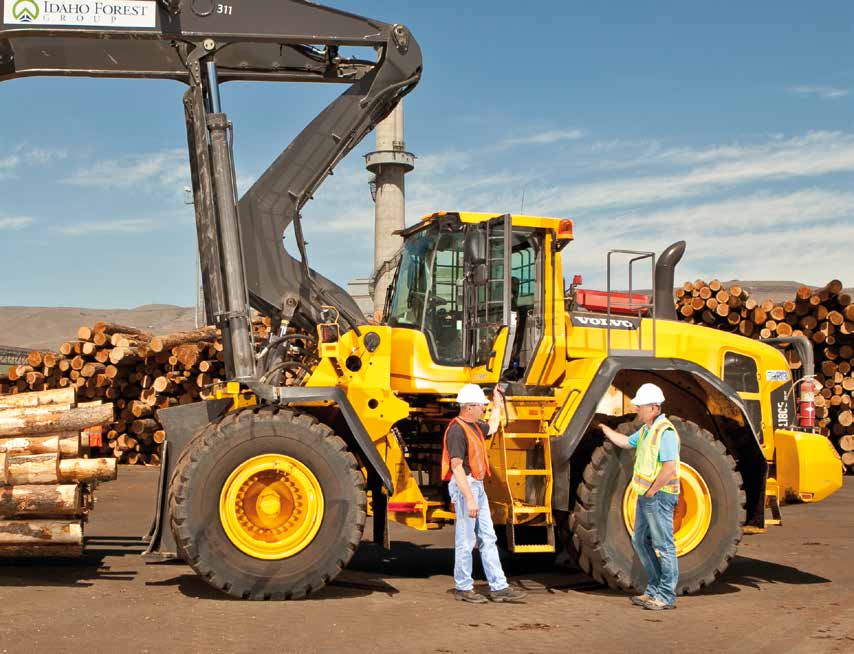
(806, 405)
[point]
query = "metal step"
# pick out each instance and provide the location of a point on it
(531, 548)
(527, 472)
(531, 509)
(534, 549)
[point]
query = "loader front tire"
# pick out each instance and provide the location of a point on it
(599, 524)
(267, 504)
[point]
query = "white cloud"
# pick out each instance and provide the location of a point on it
(746, 214)
(9, 162)
(824, 92)
(40, 156)
(132, 225)
(546, 138)
(816, 154)
(752, 237)
(719, 197)
(444, 162)
(168, 167)
(15, 222)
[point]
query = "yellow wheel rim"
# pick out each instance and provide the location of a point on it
(693, 513)
(271, 506)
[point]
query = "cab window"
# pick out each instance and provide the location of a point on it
(740, 372)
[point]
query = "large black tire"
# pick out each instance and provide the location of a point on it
(205, 465)
(599, 532)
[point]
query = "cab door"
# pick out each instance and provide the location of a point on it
(487, 327)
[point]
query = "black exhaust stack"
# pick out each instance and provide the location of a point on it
(665, 308)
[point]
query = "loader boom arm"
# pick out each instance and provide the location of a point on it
(204, 43)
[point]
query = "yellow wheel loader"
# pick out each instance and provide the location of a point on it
(265, 489)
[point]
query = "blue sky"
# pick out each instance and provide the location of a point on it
(728, 124)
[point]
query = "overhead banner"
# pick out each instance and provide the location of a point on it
(82, 13)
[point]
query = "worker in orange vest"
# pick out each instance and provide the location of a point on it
(465, 465)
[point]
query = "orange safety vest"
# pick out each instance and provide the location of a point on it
(478, 460)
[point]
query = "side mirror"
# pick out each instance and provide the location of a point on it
(480, 274)
(475, 247)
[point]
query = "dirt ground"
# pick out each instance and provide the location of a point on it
(791, 590)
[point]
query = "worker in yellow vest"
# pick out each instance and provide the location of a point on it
(465, 465)
(655, 479)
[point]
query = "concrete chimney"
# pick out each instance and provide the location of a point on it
(389, 164)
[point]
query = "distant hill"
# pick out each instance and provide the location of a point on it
(47, 327)
(778, 291)
(44, 328)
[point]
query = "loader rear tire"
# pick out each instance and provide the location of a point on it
(599, 530)
(206, 470)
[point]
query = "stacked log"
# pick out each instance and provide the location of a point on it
(713, 305)
(133, 369)
(46, 486)
(825, 316)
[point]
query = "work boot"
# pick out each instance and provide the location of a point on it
(470, 596)
(658, 605)
(641, 600)
(507, 595)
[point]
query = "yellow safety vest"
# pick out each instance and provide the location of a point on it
(647, 465)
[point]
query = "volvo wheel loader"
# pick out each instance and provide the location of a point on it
(265, 490)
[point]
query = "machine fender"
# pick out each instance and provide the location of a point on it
(605, 376)
(749, 450)
(290, 395)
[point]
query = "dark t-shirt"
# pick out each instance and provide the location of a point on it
(458, 446)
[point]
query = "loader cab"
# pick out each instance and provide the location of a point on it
(473, 285)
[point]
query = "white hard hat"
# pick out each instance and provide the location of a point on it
(471, 394)
(648, 394)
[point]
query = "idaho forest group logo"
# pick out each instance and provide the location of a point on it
(81, 13)
(25, 11)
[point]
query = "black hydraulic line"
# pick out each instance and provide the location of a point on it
(281, 366)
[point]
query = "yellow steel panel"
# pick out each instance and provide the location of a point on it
(413, 369)
(808, 467)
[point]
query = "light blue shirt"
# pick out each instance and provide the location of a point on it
(669, 448)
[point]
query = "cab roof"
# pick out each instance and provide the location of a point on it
(562, 225)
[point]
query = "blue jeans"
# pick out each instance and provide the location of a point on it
(654, 531)
(467, 531)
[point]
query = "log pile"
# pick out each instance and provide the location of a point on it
(46, 486)
(133, 369)
(825, 316)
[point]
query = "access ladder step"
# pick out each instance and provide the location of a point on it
(531, 509)
(534, 549)
(530, 472)
(529, 547)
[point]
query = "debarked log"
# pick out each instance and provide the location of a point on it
(68, 444)
(87, 470)
(44, 500)
(40, 398)
(67, 551)
(41, 532)
(58, 421)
